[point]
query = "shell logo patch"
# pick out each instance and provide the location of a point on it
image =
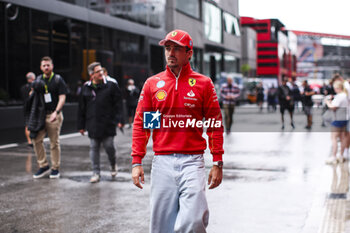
(161, 95)
(192, 82)
(173, 33)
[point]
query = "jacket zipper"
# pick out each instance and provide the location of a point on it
(177, 78)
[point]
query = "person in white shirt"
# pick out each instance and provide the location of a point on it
(346, 87)
(340, 107)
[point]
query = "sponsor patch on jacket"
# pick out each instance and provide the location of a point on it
(161, 95)
(191, 94)
(160, 84)
(190, 105)
(192, 81)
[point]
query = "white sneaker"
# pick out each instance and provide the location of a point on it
(341, 159)
(331, 160)
(114, 171)
(95, 178)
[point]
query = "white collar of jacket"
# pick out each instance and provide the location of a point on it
(89, 83)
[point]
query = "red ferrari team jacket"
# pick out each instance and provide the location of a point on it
(181, 107)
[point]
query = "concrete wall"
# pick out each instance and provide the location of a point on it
(194, 27)
(248, 38)
(12, 123)
(230, 6)
(233, 44)
(91, 16)
(177, 20)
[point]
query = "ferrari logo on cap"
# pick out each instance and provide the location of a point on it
(173, 33)
(192, 82)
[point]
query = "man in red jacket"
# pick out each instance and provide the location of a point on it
(173, 104)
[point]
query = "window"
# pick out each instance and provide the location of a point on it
(212, 64)
(212, 22)
(189, 7)
(230, 63)
(196, 61)
(231, 24)
(60, 37)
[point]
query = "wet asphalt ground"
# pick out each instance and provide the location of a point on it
(274, 182)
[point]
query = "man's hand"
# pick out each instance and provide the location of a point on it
(82, 132)
(53, 116)
(120, 125)
(137, 172)
(215, 177)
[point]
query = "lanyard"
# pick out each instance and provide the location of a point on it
(46, 88)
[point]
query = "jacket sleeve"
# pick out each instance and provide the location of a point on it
(81, 111)
(140, 135)
(212, 111)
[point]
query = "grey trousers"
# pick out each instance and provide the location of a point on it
(178, 202)
(108, 144)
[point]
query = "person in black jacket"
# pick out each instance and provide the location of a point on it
(99, 113)
(308, 103)
(25, 91)
(285, 98)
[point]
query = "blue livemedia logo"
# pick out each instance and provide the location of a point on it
(151, 120)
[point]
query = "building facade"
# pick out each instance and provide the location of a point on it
(122, 34)
(320, 55)
(248, 42)
(276, 48)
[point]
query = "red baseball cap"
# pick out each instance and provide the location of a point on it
(179, 37)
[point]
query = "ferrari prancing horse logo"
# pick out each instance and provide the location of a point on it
(192, 82)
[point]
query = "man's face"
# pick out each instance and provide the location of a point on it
(176, 56)
(97, 75)
(30, 79)
(46, 67)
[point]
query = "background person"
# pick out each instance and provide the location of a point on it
(260, 96)
(271, 99)
(54, 93)
(229, 92)
(296, 95)
(99, 113)
(340, 105)
(25, 92)
(132, 97)
(308, 103)
(285, 100)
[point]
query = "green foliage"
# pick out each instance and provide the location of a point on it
(245, 68)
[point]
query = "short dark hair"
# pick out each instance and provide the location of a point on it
(46, 58)
(92, 66)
